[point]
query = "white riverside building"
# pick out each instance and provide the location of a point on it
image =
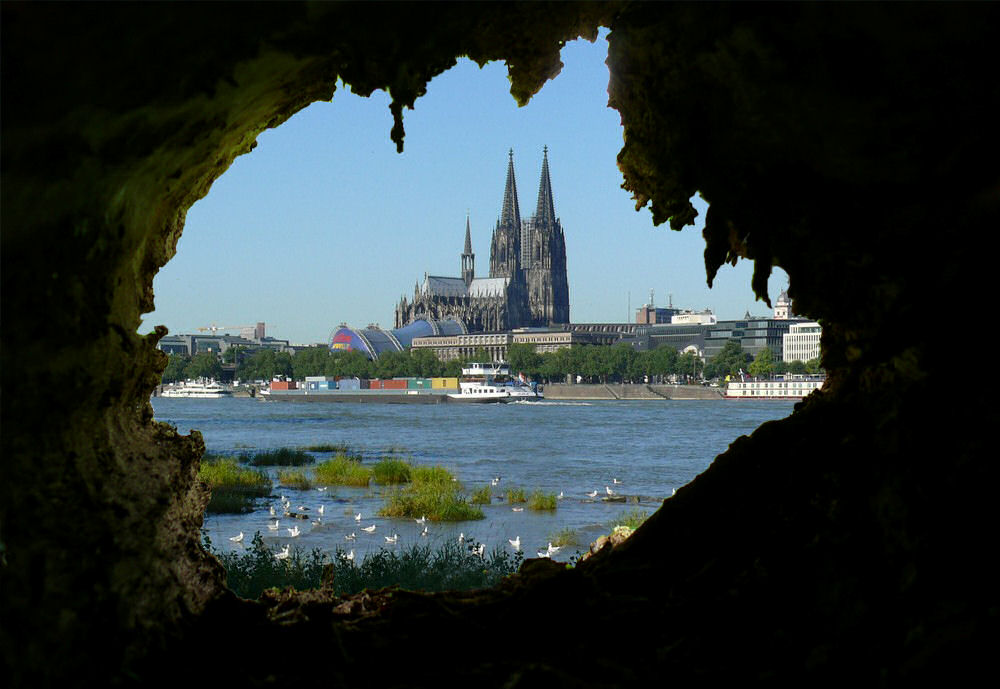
(801, 342)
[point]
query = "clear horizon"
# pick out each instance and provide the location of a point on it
(324, 223)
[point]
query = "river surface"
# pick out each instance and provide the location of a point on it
(650, 447)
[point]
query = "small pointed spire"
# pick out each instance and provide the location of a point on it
(545, 211)
(468, 237)
(510, 216)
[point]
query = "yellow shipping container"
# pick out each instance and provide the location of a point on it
(444, 383)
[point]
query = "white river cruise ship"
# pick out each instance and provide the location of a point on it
(791, 387)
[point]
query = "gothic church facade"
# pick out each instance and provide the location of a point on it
(527, 284)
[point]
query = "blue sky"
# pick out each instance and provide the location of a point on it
(325, 223)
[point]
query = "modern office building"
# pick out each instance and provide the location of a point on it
(801, 342)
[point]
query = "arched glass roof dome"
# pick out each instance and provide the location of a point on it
(375, 341)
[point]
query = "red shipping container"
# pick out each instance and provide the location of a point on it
(282, 385)
(394, 384)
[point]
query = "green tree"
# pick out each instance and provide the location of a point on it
(203, 365)
(689, 365)
(176, 363)
(392, 364)
(523, 358)
(425, 364)
(730, 359)
(310, 362)
(813, 366)
(663, 361)
(763, 364)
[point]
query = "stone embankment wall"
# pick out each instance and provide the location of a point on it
(613, 391)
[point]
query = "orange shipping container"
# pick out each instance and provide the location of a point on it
(394, 384)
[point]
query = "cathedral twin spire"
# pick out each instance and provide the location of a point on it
(545, 210)
(509, 251)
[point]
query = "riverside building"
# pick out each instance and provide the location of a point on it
(801, 342)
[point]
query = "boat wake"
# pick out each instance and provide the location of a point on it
(552, 403)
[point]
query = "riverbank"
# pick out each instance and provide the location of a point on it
(619, 391)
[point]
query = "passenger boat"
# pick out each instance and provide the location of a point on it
(788, 387)
(493, 383)
(197, 389)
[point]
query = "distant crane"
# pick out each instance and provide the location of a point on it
(213, 328)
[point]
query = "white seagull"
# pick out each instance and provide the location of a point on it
(321, 490)
(282, 555)
(351, 536)
(592, 495)
(237, 539)
(422, 520)
(461, 537)
(357, 517)
(321, 509)
(553, 549)
(543, 553)
(610, 492)
(271, 508)
(560, 496)
(294, 531)
(424, 532)
(392, 539)
(516, 544)
(273, 526)
(369, 529)
(616, 482)
(517, 509)
(350, 556)
(480, 551)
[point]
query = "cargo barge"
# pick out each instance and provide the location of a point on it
(385, 391)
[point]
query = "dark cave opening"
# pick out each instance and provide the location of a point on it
(866, 561)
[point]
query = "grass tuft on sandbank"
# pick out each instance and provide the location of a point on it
(234, 487)
(342, 470)
(282, 456)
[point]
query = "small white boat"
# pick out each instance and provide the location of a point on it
(197, 389)
(492, 383)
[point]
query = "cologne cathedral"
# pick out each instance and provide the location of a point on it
(527, 284)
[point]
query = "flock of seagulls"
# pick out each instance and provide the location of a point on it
(480, 550)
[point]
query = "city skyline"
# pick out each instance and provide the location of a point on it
(325, 223)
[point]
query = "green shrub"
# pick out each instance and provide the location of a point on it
(564, 537)
(437, 501)
(542, 501)
(342, 471)
(483, 496)
(249, 574)
(391, 470)
(632, 519)
(294, 479)
(449, 567)
(234, 488)
(515, 495)
(328, 447)
(432, 476)
(283, 456)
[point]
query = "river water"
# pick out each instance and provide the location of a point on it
(651, 447)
